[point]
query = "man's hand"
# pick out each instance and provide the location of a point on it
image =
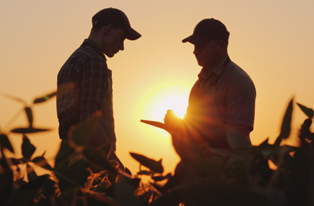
(180, 139)
(172, 121)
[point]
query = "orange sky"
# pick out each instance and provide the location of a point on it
(271, 40)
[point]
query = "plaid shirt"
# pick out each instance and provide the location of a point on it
(234, 98)
(87, 73)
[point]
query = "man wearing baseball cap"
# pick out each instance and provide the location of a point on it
(90, 79)
(222, 100)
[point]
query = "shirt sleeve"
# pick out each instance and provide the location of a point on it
(93, 85)
(241, 102)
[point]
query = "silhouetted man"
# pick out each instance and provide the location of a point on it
(223, 97)
(86, 70)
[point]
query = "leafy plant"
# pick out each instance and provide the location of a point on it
(83, 175)
(16, 190)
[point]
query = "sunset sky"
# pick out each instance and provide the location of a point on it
(272, 40)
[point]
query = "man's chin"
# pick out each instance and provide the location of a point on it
(110, 55)
(200, 63)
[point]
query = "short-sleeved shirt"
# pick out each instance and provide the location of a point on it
(85, 87)
(234, 97)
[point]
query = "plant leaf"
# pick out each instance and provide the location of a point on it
(287, 149)
(62, 158)
(161, 178)
(27, 130)
(31, 174)
(27, 148)
(49, 186)
(307, 111)
(125, 194)
(77, 172)
(83, 132)
(6, 181)
(144, 172)
(237, 140)
(35, 183)
(155, 166)
(145, 197)
(14, 98)
(97, 161)
(42, 162)
(265, 143)
(29, 115)
(127, 171)
(16, 161)
(286, 124)
(4, 141)
(104, 151)
(44, 98)
(134, 183)
(174, 197)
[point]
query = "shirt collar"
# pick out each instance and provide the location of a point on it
(94, 46)
(205, 72)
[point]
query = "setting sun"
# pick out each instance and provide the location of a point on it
(171, 96)
(175, 102)
(166, 97)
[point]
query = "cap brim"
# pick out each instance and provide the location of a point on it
(193, 39)
(131, 34)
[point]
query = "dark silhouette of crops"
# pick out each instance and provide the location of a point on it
(83, 175)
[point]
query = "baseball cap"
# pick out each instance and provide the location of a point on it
(206, 30)
(117, 18)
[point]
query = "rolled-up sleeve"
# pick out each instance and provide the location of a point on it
(240, 101)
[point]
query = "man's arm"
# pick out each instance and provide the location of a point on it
(240, 100)
(92, 87)
(92, 90)
(183, 133)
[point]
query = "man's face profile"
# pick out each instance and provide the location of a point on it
(206, 54)
(113, 41)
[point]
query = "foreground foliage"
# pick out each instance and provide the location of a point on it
(84, 176)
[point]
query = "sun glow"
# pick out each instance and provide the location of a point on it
(160, 99)
(175, 102)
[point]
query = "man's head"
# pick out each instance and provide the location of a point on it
(210, 39)
(110, 28)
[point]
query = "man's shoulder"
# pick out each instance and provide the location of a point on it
(82, 57)
(234, 71)
(85, 52)
(235, 77)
